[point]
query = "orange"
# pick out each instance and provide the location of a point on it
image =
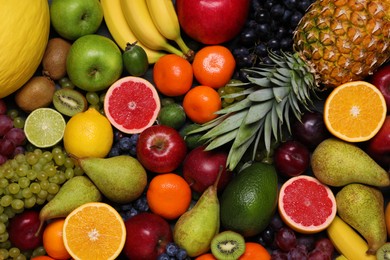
(53, 240)
(207, 256)
(172, 75)
(355, 111)
(201, 103)
(255, 251)
(214, 66)
(94, 230)
(42, 257)
(168, 195)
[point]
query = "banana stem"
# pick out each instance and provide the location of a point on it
(185, 49)
(169, 48)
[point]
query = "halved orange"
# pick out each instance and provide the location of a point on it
(355, 111)
(94, 231)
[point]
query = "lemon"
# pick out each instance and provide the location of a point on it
(88, 134)
(44, 127)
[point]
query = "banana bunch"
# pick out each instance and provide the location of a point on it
(152, 24)
(347, 241)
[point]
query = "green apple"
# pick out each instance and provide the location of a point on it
(94, 62)
(75, 18)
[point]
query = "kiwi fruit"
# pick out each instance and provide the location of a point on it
(69, 101)
(228, 245)
(383, 253)
(36, 93)
(54, 58)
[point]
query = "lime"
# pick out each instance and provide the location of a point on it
(44, 127)
(135, 59)
(192, 140)
(172, 115)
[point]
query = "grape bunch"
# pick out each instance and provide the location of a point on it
(28, 180)
(124, 144)
(12, 138)
(270, 26)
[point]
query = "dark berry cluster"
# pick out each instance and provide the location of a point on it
(124, 144)
(173, 252)
(131, 209)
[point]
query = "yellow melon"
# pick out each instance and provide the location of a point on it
(25, 27)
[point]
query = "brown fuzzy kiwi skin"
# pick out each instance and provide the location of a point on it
(36, 93)
(54, 58)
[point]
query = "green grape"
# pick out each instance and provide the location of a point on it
(56, 150)
(43, 160)
(13, 188)
(7, 244)
(50, 197)
(37, 167)
(12, 113)
(42, 176)
(4, 237)
(6, 200)
(19, 122)
(9, 212)
(20, 257)
(3, 253)
(69, 173)
(14, 252)
(22, 170)
(17, 204)
(9, 174)
(31, 175)
(24, 182)
(78, 171)
(61, 178)
(3, 217)
(47, 155)
(38, 152)
(40, 250)
(69, 163)
(18, 195)
(42, 194)
(30, 202)
(92, 98)
(26, 193)
(44, 184)
(54, 179)
(2, 191)
(32, 158)
(35, 187)
(1, 210)
(3, 183)
(3, 228)
(20, 158)
(65, 82)
(50, 170)
(40, 201)
(59, 159)
(53, 188)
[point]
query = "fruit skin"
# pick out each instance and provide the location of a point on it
(291, 158)
(141, 24)
(18, 56)
(201, 169)
(381, 80)
(250, 199)
(201, 20)
(161, 149)
(347, 241)
(165, 19)
(147, 235)
(94, 62)
(73, 18)
(22, 228)
(121, 32)
(135, 59)
(378, 147)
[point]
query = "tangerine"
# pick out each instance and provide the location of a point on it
(172, 75)
(214, 66)
(201, 104)
(255, 251)
(168, 195)
(42, 257)
(207, 256)
(53, 240)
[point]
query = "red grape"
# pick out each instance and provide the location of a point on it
(3, 107)
(325, 245)
(286, 239)
(16, 135)
(6, 124)
(298, 253)
(6, 147)
(317, 254)
(3, 159)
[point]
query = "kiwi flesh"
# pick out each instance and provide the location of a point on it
(36, 93)
(383, 253)
(228, 245)
(54, 58)
(69, 101)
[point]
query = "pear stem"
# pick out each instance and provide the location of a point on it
(218, 177)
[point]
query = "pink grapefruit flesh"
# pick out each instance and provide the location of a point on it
(131, 104)
(306, 205)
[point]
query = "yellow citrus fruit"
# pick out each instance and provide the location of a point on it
(355, 111)
(88, 134)
(94, 230)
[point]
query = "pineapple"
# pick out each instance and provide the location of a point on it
(335, 42)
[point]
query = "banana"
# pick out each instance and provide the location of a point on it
(166, 21)
(347, 241)
(140, 22)
(121, 32)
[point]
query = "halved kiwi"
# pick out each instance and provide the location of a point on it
(69, 101)
(383, 253)
(228, 245)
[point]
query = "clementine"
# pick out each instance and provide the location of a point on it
(53, 240)
(255, 251)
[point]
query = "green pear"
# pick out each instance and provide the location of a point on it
(121, 179)
(337, 163)
(195, 229)
(72, 194)
(362, 207)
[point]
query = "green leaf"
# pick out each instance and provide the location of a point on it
(267, 132)
(261, 95)
(240, 93)
(209, 124)
(258, 111)
(245, 132)
(232, 122)
(221, 140)
(235, 154)
(280, 93)
(238, 106)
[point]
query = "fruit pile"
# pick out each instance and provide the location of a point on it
(158, 129)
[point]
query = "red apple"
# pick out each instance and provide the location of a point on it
(147, 235)
(22, 229)
(381, 79)
(378, 147)
(212, 21)
(161, 149)
(201, 169)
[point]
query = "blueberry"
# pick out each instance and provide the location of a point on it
(115, 151)
(126, 207)
(133, 151)
(118, 135)
(163, 256)
(295, 18)
(141, 204)
(277, 11)
(125, 143)
(172, 249)
(134, 139)
(181, 254)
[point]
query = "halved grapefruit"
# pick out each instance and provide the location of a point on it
(132, 104)
(306, 205)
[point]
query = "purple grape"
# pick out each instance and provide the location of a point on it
(3, 107)
(276, 222)
(317, 254)
(325, 245)
(6, 147)
(307, 241)
(279, 255)
(6, 124)
(3, 159)
(16, 135)
(298, 253)
(18, 150)
(286, 239)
